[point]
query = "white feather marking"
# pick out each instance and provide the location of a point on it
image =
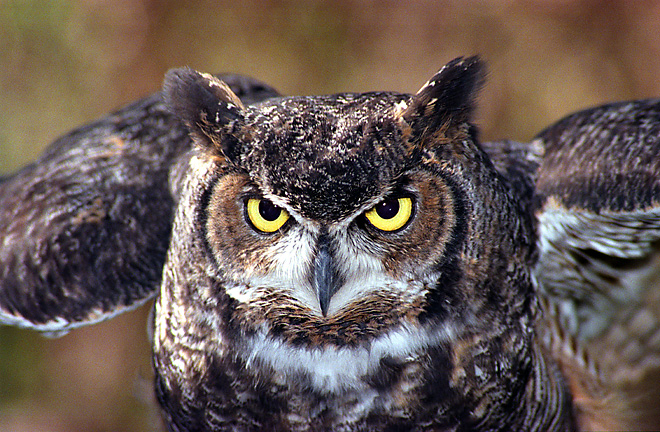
(292, 258)
(332, 369)
(625, 235)
(400, 107)
(587, 296)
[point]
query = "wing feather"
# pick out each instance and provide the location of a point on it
(597, 203)
(85, 228)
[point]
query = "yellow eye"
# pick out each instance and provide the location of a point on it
(266, 216)
(391, 214)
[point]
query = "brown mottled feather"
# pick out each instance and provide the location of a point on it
(598, 200)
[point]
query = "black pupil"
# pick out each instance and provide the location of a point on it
(388, 209)
(269, 211)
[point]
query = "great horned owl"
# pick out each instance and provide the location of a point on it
(354, 262)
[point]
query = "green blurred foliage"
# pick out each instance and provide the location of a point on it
(63, 63)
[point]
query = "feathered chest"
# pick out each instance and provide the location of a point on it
(261, 382)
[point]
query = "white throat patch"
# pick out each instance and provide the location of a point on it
(333, 370)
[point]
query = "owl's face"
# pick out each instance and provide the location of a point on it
(317, 244)
(341, 222)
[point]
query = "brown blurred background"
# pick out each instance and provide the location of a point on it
(64, 63)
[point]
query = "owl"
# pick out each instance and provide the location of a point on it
(354, 262)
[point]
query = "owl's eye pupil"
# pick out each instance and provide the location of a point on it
(269, 211)
(388, 208)
(391, 214)
(264, 216)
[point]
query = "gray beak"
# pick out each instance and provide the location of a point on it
(326, 281)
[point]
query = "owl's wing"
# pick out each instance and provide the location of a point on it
(84, 229)
(597, 203)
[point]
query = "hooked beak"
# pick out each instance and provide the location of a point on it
(326, 281)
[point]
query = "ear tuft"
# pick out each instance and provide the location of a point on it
(206, 105)
(447, 99)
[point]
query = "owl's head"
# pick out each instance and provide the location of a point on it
(337, 220)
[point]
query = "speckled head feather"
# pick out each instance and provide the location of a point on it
(318, 146)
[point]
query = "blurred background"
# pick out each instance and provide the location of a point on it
(64, 63)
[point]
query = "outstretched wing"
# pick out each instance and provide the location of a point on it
(597, 202)
(84, 229)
